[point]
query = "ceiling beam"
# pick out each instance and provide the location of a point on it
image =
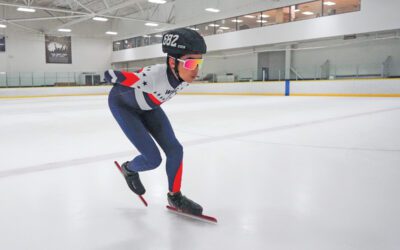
(45, 8)
(41, 18)
(140, 8)
(170, 16)
(51, 14)
(83, 6)
(105, 11)
(106, 4)
(22, 26)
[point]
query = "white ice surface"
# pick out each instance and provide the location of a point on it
(284, 173)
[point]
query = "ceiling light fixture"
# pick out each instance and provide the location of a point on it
(249, 16)
(100, 19)
(308, 13)
(151, 24)
(157, 1)
(212, 10)
(113, 33)
(3, 26)
(237, 21)
(64, 30)
(329, 3)
(26, 9)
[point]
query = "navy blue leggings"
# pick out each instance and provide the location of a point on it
(140, 126)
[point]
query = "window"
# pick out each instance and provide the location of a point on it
(138, 41)
(128, 43)
(206, 29)
(270, 17)
(193, 27)
(146, 40)
(156, 38)
(249, 21)
(332, 7)
(118, 45)
(226, 25)
(306, 10)
(2, 43)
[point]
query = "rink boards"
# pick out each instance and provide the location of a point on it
(350, 87)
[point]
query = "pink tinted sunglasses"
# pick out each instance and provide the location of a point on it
(191, 64)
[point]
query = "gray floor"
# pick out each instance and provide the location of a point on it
(278, 172)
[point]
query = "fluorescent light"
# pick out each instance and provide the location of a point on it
(146, 36)
(151, 24)
(224, 28)
(237, 21)
(329, 3)
(296, 10)
(158, 35)
(194, 28)
(3, 26)
(308, 13)
(26, 9)
(212, 10)
(100, 19)
(261, 21)
(113, 33)
(249, 16)
(64, 30)
(264, 16)
(157, 1)
(214, 25)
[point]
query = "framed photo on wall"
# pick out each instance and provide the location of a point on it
(58, 49)
(2, 43)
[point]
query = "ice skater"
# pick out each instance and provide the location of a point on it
(135, 101)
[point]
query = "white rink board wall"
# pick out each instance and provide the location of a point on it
(347, 87)
(53, 91)
(350, 87)
(272, 88)
(355, 87)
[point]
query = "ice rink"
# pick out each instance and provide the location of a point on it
(279, 173)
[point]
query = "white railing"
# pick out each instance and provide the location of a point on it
(36, 79)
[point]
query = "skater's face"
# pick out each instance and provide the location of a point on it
(188, 66)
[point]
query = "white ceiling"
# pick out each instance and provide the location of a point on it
(127, 17)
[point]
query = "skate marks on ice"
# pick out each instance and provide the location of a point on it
(209, 139)
(63, 164)
(140, 196)
(202, 217)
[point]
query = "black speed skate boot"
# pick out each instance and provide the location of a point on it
(184, 204)
(133, 180)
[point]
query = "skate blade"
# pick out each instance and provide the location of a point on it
(140, 196)
(202, 217)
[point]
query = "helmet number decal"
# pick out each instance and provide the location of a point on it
(170, 40)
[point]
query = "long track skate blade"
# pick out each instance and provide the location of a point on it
(140, 196)
(198, 217)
